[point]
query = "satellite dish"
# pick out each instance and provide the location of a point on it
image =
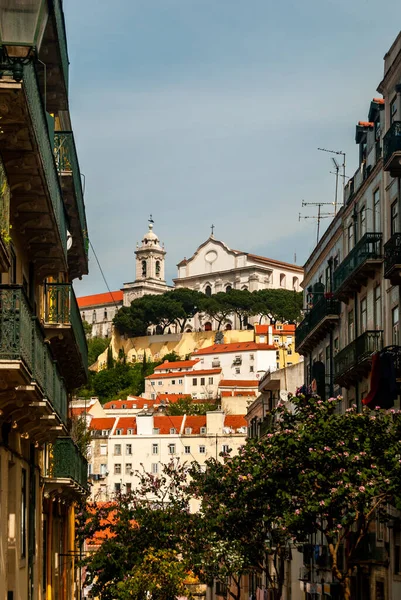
(284, 395)
(69, 240)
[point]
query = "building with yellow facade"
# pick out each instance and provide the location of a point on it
(43, 352)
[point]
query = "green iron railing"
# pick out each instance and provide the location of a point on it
(392, 253)
(368, 248)
(62, 38)
(324, 307)
(67, 162)
(68, 462)
(357, 352)
(61, 308)
(21, 339)
(392, 141)
(39, 121)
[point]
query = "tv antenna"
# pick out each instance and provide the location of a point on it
(319, 215)
(337, 169)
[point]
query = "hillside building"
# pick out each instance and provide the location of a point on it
(98, 310)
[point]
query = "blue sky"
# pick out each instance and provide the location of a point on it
(211, 111)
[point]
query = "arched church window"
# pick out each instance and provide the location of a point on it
(208, 290)
(208, 326)
(229, 288)
(144, 268)
(157, 268)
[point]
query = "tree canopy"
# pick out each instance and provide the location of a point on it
(181, 304)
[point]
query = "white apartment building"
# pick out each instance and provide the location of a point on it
(197, 383)
(242, 360)
(121, 445)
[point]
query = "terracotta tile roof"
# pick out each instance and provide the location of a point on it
(286, 328)
(76, 412)
(275, 262)
(365, 124)
(100, 423)
(171, 397)
(195, 423)
(106, 298)
(235, 421)
(164, 423)
(184, 374)
(126, 423)
(378, 100)
(137, 403)
(180, 364)
(236, 383)
(235, 347)
(236, 394)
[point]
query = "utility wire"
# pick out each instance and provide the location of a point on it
(103, 275)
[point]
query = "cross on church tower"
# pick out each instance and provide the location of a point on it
(212, 228)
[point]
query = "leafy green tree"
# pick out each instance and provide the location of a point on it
(186, 406)
(132, 320)
(280, 305)
(162, 310)
(242, 303)
(172, 357)
(87, 328)
(189, 300)
(217, 307)
(96, 346)
(110, 360)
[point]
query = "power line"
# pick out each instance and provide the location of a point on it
(103, 275)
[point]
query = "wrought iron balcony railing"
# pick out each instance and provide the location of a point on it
(68, 462)
(392, 141)
(40, 125)
(67, 163)
(61, 308)
(322, 310)
(392, 256)
(21, 339)
(368, 248)
(62, 38)
(355, 355)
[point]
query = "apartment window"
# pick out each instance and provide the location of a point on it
(393, 110)
(117, 449)
(187, 449)
(203, 381)
(210, 380)
(171, 448)
(173, 382)
(376, 211)
(117, 488)
(225, 448)
(335, 345)
(155, 431)
(262, 339)
(194, 381)
(328, 279)
(362, 221)
(327, 358)
(237, 370)
(128, 468)
(159, 383)
(188, 430)
(155, 468)
(202, 449)
(282, 280)
(124, 406)
(380, 530)
(350, 326)
(377, 309)
(251, 357)
(394, 217)
(128, 448)
(23, 511)
(103, 469)
(350, 237)
(173, 431)
(395, 325)
(278, 354)
(119, 431)
(103, 449)
(251, 369)
(180, 382)
(276, 339)
(130, 431)
(128, 488)
(364, 315)
(105, 431)
(203, 430)
(155, 448)
(117, 469)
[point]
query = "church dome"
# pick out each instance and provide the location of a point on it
(150, 238)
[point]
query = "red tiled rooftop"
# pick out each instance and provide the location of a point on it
(235, 383)
(365, 124)
(235, 393)
(235, 421)
(106, 298)
(234, 347)
(183, 374)
(100, 423)
(137, 403)
(263, 329)
(171, 397)
(378, 100)
(195, 423)
(164, 423)
(126, 423)
(180, 364)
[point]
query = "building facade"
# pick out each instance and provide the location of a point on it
(98, 310)
(43, 352)
(352, 296)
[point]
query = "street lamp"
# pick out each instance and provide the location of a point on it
(22, 25)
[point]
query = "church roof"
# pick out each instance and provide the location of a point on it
(234, 347)
(100, 299)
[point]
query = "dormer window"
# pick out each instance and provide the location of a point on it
(173, 431)
(105, 431)
(124, 406)
(119, 431)
(203, 430)
(113, 406)
(156, 431)
(130, 431)
(188, 430)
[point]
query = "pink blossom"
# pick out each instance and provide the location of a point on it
(362, 488)
(339, 526)
(297, 512)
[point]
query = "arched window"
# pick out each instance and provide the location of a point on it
(295, 284)
(282, 280)
(83, 316)
(228, 327)
(208, 290)
(144, 268)
(208, 326)
(228, 288)
(157, 268)
(94, 317)
(105, 314)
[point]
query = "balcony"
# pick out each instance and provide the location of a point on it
(215, 364)
(63, 325)
(353, 362)
(32, 393)
(70, 178)
(392, 259)
(38, 210)
(360, 264)
(320, 319)
(68, 468)
(392, 150)
(55, 56)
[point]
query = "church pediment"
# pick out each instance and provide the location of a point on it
(212, 256)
